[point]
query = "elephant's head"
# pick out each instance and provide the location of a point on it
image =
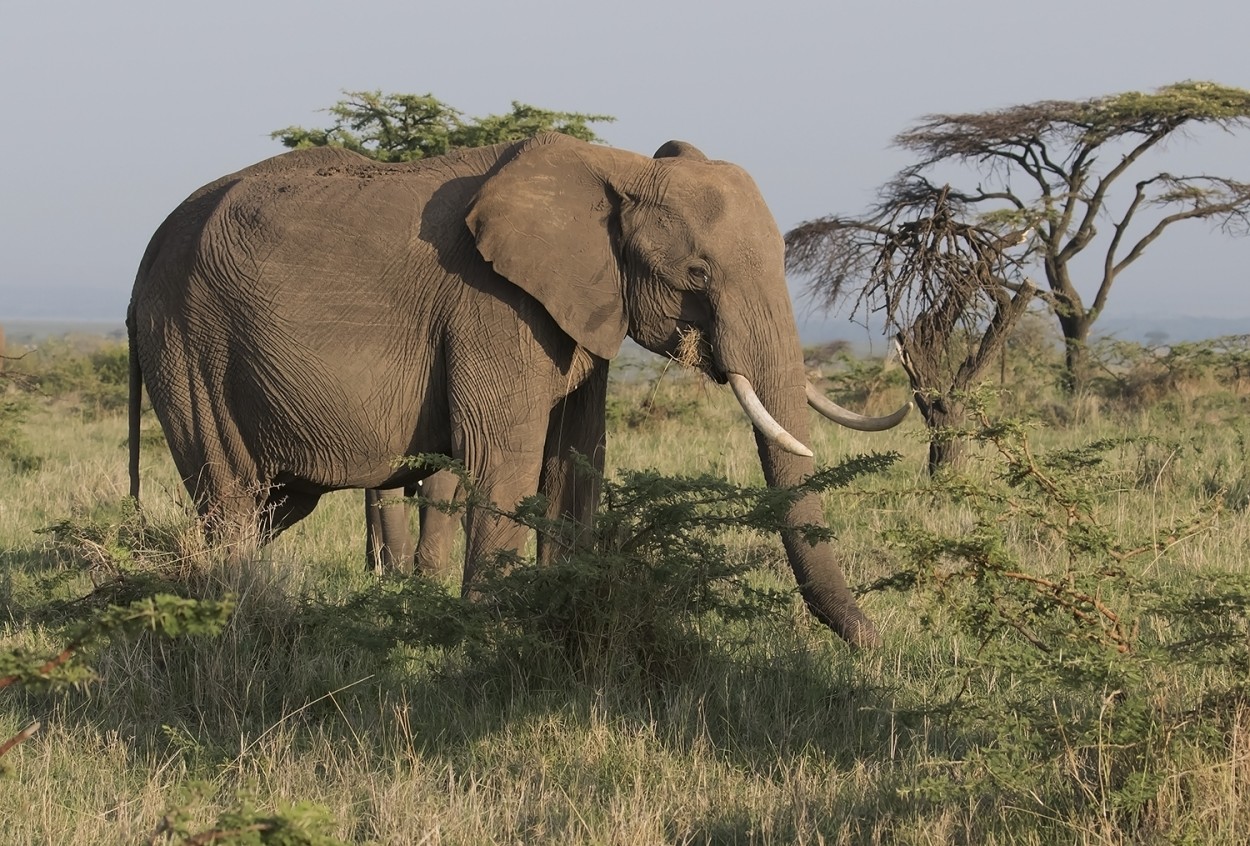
(678, 252)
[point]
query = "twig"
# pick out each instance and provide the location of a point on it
(1069, 598)
(21, 737)
(239, 758)
(213, 835)
(48, 666)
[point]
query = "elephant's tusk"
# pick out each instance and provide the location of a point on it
(761, 419)
(850, 419)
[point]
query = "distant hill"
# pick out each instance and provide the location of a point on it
(34, 331)
(1153, 330)
(1165, 329)
(1157, 329)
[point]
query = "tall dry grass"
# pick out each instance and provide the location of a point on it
(781, 736)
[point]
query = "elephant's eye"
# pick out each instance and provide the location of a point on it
(699, 275)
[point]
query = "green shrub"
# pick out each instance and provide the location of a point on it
(111, 365)
(651, 589)
(248, 824)
(129, 563)
(15, 449)
(95, 372)
(1136, 376)
(1056, 671)
(125, 554)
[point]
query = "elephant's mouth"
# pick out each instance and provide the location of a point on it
(694, 350)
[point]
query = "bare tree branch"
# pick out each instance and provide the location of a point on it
(1057, 145)
(948, 288)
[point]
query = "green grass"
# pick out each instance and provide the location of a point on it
(771, 731)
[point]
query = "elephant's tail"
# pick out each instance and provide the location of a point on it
(135, 404)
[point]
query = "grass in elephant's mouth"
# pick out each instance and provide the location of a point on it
(692, 349)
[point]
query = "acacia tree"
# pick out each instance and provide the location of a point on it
(405, 127)
(952, 290)
(1051, 168)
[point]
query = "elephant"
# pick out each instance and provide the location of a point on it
(388, 541)
(302, 322)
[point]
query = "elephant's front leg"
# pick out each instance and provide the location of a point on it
(503, 466)
(576, 433)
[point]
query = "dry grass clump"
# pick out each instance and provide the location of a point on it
(692, 349)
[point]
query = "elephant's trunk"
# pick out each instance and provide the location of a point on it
(755, 336)
(777, 383)
(816, 568)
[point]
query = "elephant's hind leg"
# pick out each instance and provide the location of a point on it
(438, 527)
(388, 540)
(229, 511)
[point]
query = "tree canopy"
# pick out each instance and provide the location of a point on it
(405, 127)
(1047, 171)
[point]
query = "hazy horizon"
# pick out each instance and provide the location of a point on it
(866, 339)
(121, 110)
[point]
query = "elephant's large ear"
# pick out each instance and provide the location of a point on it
(543, 222)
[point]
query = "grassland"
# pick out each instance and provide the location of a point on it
(979, 721)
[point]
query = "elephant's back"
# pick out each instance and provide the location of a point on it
(319, 201)
(306, 235)
(305, 288)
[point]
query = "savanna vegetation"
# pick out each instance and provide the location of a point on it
(1047, 176)
(1066, 616)
(398, 127)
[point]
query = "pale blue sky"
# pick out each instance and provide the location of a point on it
(116, 111)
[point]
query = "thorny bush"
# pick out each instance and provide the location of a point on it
(1062, 633)
(649, 589)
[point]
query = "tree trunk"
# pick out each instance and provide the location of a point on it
(923, 352)
(941, 414)
(1077, 370)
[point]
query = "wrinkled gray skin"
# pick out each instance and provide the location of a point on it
(389, 546)
(301, 323)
